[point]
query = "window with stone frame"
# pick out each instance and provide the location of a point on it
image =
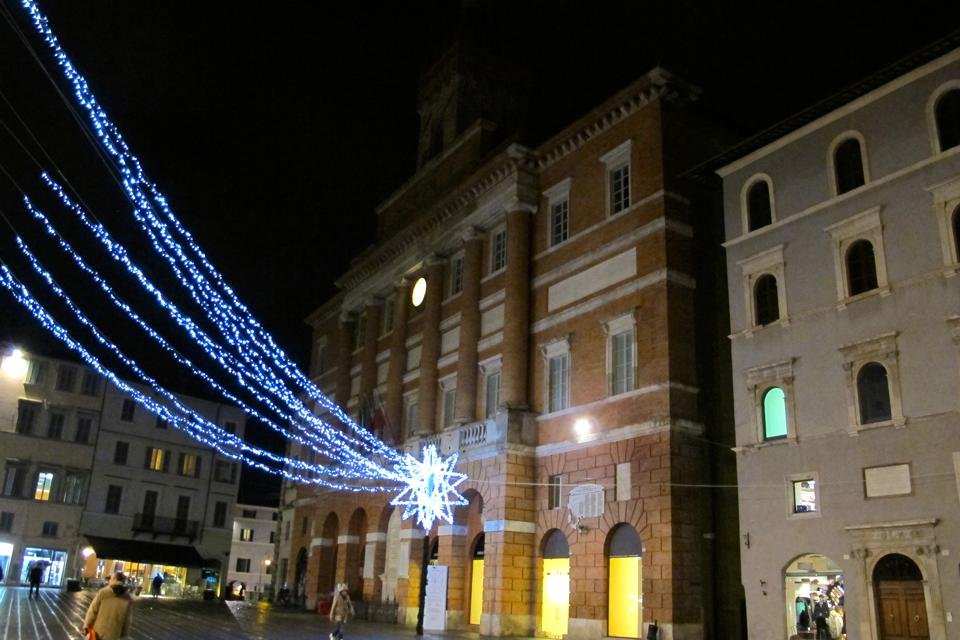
(872, 371)
(90, 383)
(773, 418)
(859, 258)
(454, 275)
(763, 282)
(36, 372)
(55, 422)
(849, 169)
(411, 408)
(556, 354)
(66, 377)
(621, 354)
(448, 401)
(554, 487)
(386, 316)
(946, 113)
(803, 495)
(498, 250)
(946, 206)
(558, 212)
(617, 162)
(27, 415)
(756, 203)
(490, 369)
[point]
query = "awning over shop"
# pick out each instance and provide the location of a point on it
(147, 552)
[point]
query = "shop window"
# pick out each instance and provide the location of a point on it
(873, 393)
(859, 256)
(55, 425)
(848, 165)
(66, 377)
(766, 301)
(114, 495)
(804, 495)
(44, 489)
(757, 203)
(127, 410)
(774, 414)
(873, 382)
(947, 115)
(120, 452)
(861, 268)
(246, 535)
(50, 529)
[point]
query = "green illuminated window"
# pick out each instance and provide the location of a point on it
(774, 414)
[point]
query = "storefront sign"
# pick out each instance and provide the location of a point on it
(435, 601)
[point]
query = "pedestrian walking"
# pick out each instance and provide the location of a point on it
(109, 615)
(341, 610)
(821, 611)
(35, 577)
(156, 584)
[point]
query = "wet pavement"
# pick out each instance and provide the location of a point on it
(58, 615)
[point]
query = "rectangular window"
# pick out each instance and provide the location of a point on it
(619, 188)
(37, 372)
(120, 451)
(559, 370)
(498, 251)
(44, 486)
(246, 535)
(553, 495)
(55, 425)
(622, 362)
(224, 471)
(220, 514)
(559, 222)
(449, 406)
(74, 486)
(492, 394)
(50, 529)
(114, 494)
(386, 317)
(161, 423)
(804, 496)
(90, 385)
(149, 507)
(183, 511)
(230, 427)
(189, 465)
(13, 480)
(249, 513)
(126, 411)
(410, 416)
(84, 428)
(156, 459)
(6, 522)
(243, 565)
(456, 276)
(66, 376)
(27, 413)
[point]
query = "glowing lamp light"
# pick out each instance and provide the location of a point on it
(419, 292)
(86, 552)
(15, 365)
(582, 427)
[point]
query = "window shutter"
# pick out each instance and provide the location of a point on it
(146, 458)
(166, 460)
(197, 470)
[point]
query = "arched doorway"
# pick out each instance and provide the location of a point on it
(808, 580)
(327, 563)
(476, 581)
(353, 567)
(300, 576)
(901, 605)
(624, 586)
(392, 561)
(555, 604)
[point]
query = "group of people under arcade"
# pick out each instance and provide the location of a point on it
(820, 616)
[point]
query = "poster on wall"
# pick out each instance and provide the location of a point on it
(435, 599)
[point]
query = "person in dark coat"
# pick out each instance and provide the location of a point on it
(156, 584)
(35, 577)
(821, 611)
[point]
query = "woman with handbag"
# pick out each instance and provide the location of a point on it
(108, 617)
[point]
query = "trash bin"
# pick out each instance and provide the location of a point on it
(73, 585)
(209, 594)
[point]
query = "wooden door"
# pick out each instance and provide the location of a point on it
(902, 610)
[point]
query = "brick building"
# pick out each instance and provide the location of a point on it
(548, 312)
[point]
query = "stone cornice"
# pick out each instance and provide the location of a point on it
(657, 83)
(509, 163)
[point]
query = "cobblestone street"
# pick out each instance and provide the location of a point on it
(57, 615)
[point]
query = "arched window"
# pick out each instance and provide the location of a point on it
(765, 300)
(873, 393)
(774, 414)
(848, 165)
(955, 223)
(861, 268)
(947, 115)
(758, 205)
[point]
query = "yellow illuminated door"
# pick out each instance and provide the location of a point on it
(556, 596)
(623, 618)
(476, 591)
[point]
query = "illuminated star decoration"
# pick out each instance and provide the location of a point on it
(431, 487)
(232, 342)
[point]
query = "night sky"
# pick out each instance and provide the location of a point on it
(276, 128)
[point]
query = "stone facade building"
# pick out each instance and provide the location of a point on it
(842, 252)
(539, 310)
(252, 551)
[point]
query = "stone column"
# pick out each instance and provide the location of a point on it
(398, 364)
(430, 347)
(516, 326)
(348, 561)
(374, 564)
(368, 358)
(451, 552)
(469, 330)
(408, 582)
(345, 332)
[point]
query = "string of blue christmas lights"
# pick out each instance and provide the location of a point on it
(429, 484)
